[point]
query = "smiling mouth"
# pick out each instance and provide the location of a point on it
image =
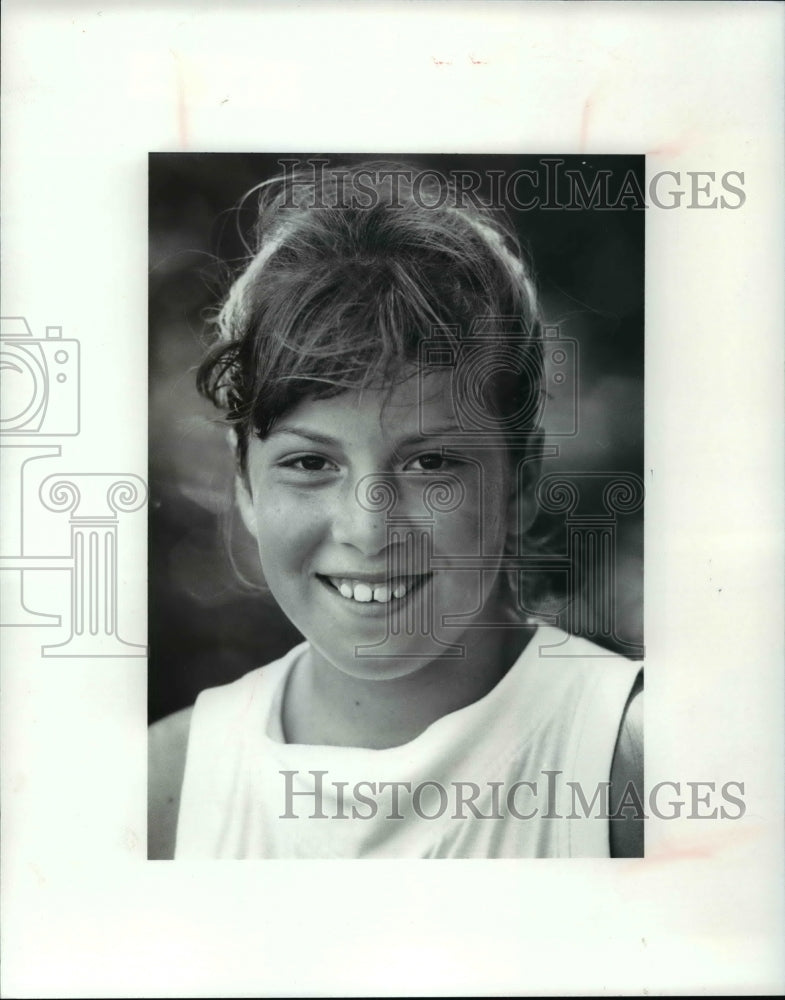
(368, 592)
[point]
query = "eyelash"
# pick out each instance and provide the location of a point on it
(292, 463)
(445, 460)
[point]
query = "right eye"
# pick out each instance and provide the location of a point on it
(308, 463)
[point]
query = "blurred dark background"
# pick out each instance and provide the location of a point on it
(206, 626)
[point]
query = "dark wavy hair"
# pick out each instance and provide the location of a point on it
(341, 292)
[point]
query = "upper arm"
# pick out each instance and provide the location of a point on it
(167, 744)
(626, 831)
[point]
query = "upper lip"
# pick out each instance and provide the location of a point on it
(380, 577)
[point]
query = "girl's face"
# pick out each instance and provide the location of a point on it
(365, 528)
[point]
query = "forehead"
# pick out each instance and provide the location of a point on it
(418, 402)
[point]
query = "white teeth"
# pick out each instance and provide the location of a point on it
(356, 590)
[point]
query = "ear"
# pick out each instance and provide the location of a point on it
(244, 499)
(523, 508)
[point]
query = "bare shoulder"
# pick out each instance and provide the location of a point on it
(167, 744)
(626, 800)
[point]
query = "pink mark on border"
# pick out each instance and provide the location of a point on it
(181, 106)
(674, 147)
(588, 107)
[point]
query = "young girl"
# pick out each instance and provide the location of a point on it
(379, 361)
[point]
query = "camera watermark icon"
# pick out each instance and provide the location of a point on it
(39, 379)
(40, 385)
(536, 372)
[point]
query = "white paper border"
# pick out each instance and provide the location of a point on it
(87, 93)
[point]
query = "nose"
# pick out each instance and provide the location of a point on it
(359, 517)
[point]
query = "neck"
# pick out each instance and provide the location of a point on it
(324, 706)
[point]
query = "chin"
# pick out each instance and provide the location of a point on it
(394, 659)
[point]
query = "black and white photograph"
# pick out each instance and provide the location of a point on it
(427, 452)
(390, 473)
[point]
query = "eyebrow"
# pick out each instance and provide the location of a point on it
(411, 439)
(448, 430)
(303, 432)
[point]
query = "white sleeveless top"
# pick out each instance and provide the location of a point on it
(491, 780)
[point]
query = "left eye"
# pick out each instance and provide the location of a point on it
(313, 463)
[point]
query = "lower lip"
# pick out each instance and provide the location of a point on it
(375, 609)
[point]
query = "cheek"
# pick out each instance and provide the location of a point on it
(461, 531)
(286, 531)
(458, 532)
